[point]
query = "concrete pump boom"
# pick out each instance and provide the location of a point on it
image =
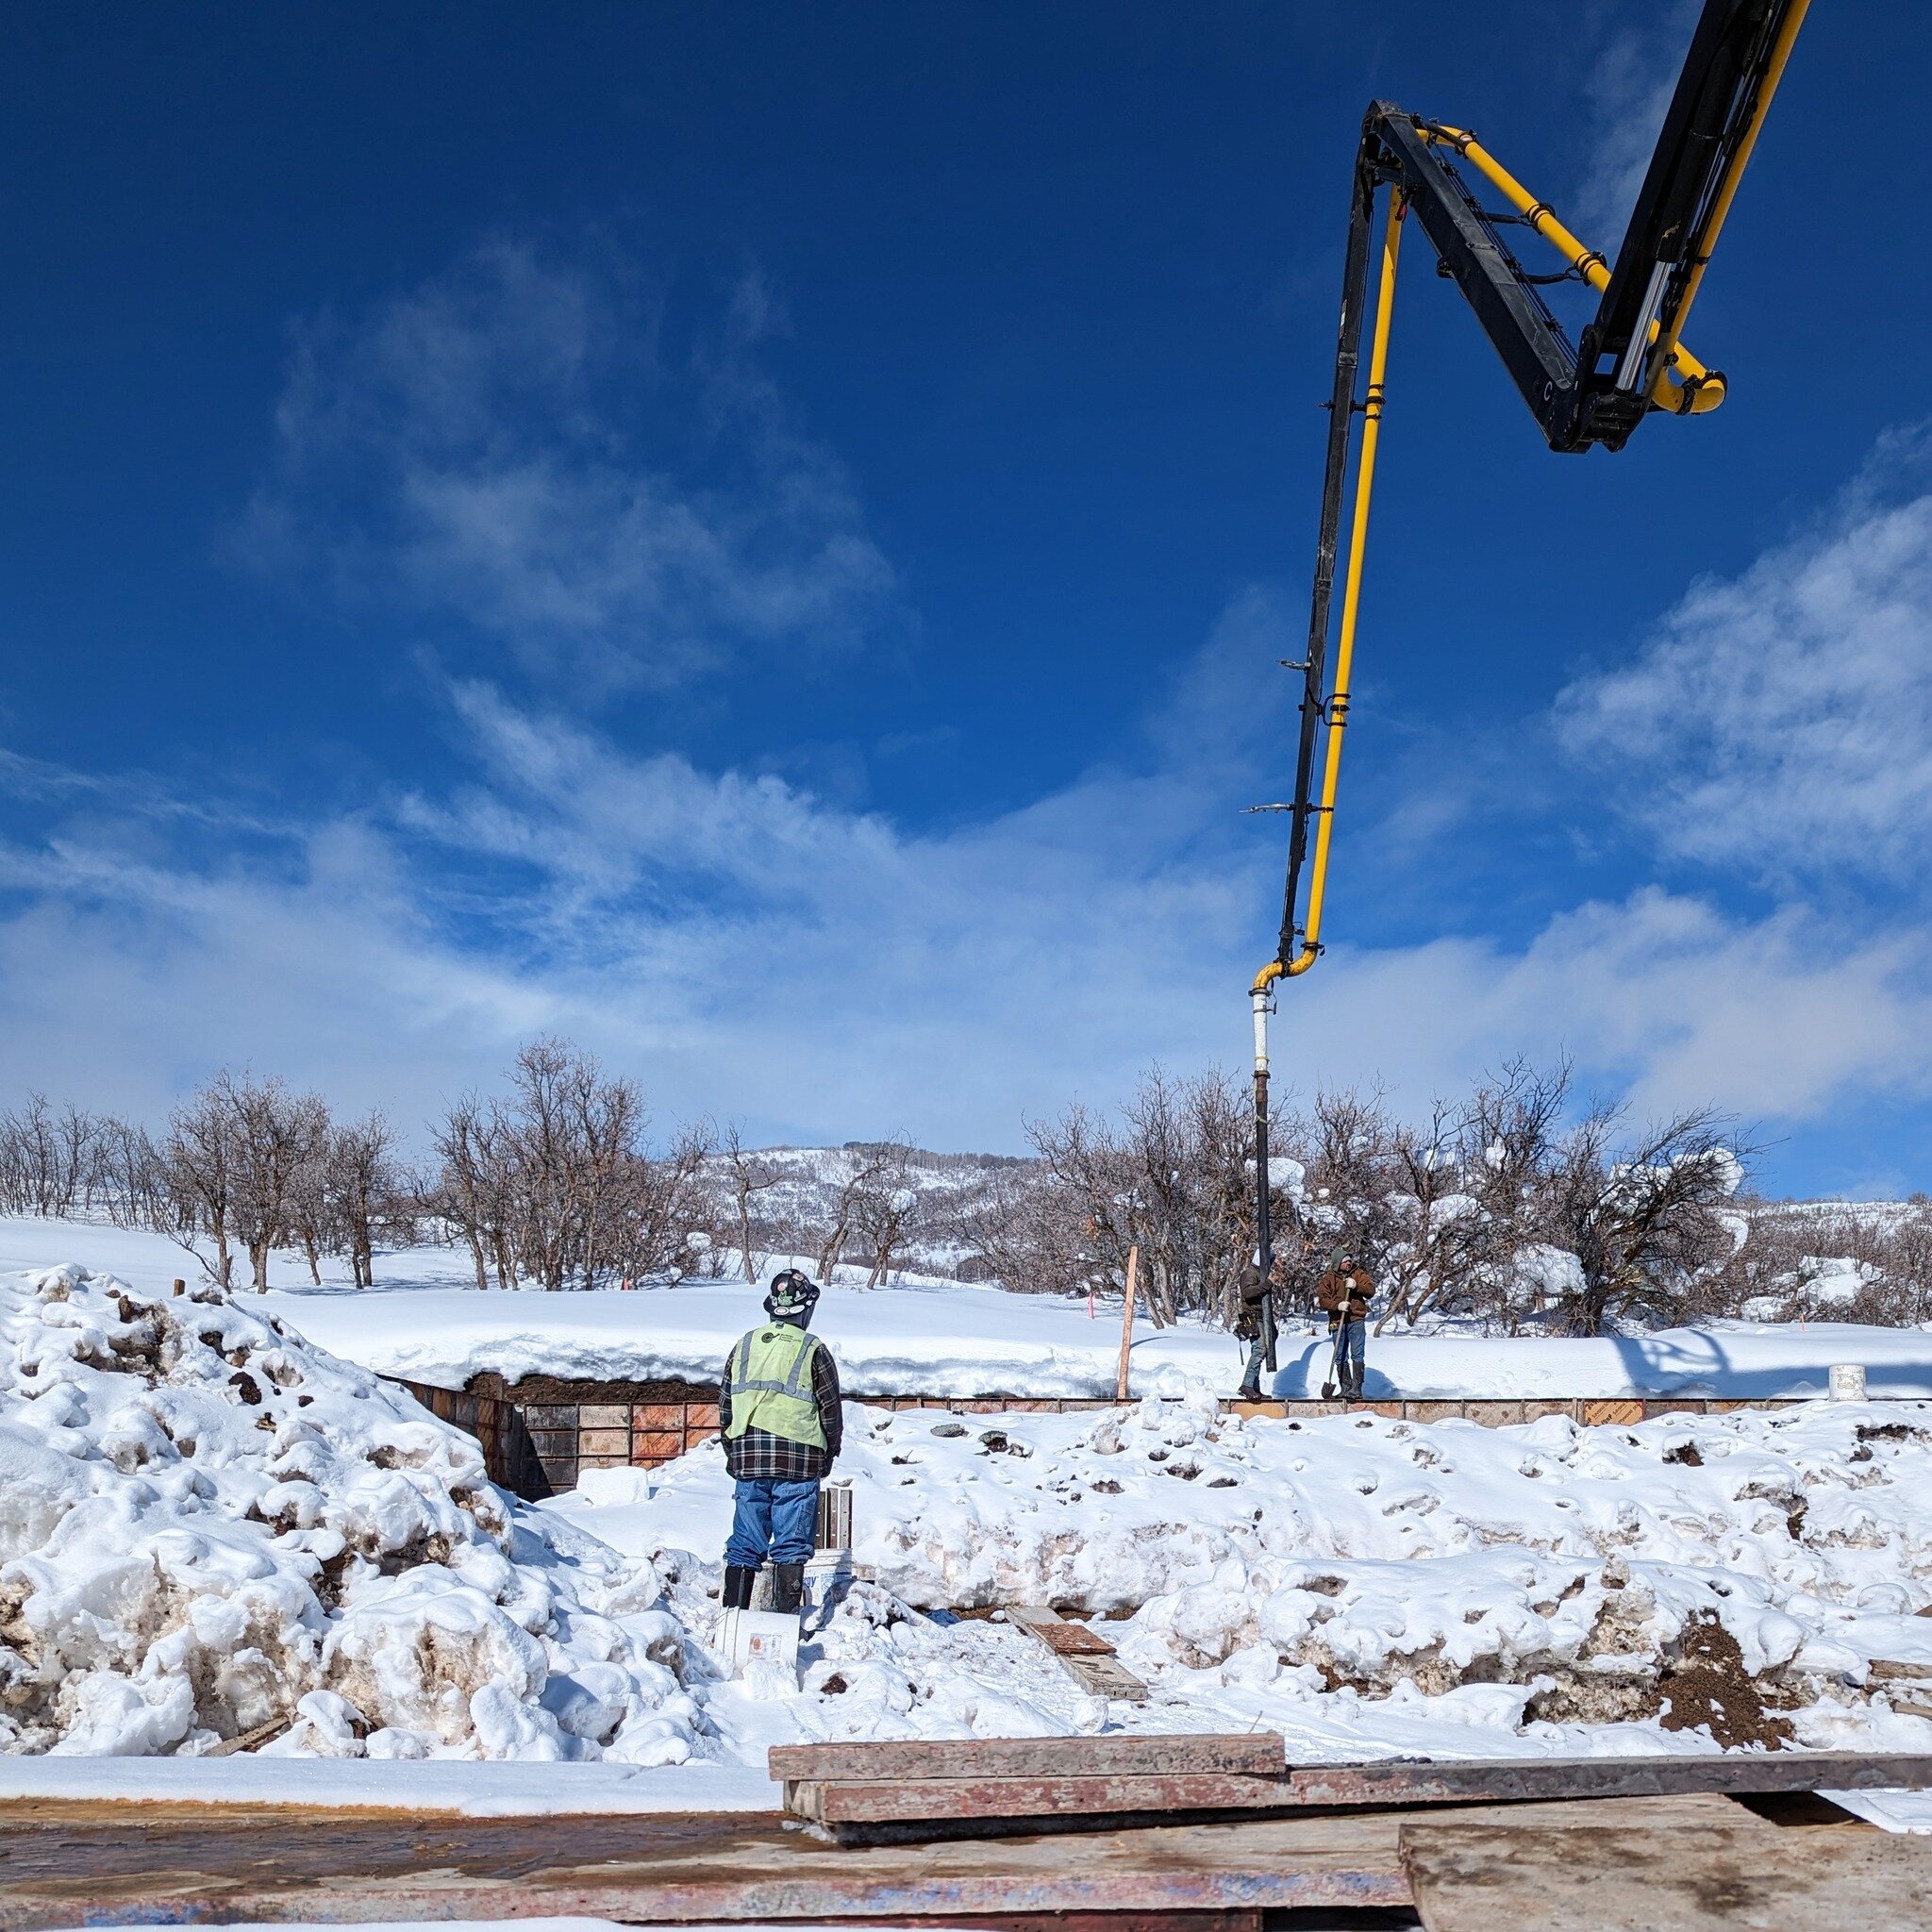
(1628, 363)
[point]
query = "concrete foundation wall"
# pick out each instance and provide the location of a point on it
(614, 1426)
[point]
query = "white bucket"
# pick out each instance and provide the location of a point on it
(1847, 1381)
(760, 1642)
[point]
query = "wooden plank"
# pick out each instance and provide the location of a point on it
(1502, 1780)
(1260, 1753)
(997, 1801)
(1482, 1877)
(1000, 1801)
(91, 1863)
(1083, 1653)
(1067, 1639)
(1106, 1676)
(672, 1871)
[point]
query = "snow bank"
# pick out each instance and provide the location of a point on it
(963, 1340)
(211, 1528)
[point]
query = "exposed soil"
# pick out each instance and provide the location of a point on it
(1707, 1684)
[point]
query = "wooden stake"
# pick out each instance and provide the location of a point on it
(1120, 1390)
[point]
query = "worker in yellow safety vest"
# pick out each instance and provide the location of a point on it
(778, 1410)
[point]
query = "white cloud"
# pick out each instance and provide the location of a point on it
(505, 444)
(752, 951)
(1782, 720)
(1632, 76)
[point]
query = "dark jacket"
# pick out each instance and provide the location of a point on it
(759, 1457)
(1353, 1291)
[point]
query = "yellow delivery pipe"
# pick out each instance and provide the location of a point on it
(1351, 603)
(1697, 390)
(1666, 339)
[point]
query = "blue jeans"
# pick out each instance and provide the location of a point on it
(1348, 1357)
(773, 1522)
(1258, 1360)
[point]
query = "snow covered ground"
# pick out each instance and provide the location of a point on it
(1358, 1584)
(211, 1527)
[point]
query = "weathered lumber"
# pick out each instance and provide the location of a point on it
(1019, 1803)
(88, 1863)
(998, 1803)
(1258, 1752)
(1491, 1877)
(1082, 1652)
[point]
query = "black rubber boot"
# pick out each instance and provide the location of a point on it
(738, 1587)
(787, 1587)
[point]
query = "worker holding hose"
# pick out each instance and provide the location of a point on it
(1254, 1324)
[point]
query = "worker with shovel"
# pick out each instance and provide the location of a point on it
(1344, 1294)
(778, 1409)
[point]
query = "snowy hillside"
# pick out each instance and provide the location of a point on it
(211, 1529)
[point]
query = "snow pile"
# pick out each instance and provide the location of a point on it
(210, 1530)
(1369, 1585)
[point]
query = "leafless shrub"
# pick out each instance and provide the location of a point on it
(1174, 1178)
(553, 1183)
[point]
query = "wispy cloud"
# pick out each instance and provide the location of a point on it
(754, 951)
(1781, 720)
(1632, 76)
(511, 445)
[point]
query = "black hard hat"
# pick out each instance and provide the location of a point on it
(791, 1292)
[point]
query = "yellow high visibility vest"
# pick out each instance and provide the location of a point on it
(769, 1375)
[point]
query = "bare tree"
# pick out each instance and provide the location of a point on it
(865, 1161)
(464, 1192)
(883, 1211)
(361, 1183)
(275, 1138)
(554, 1182)
(200, 1156)
(749, 1173)
(1643, 1222)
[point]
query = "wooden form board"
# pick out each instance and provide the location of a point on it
(95, 1863)
(1086, 1656)
(1067, 1785)
(1262, 1753)
(1488, 1877)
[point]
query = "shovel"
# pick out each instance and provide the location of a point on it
(1334, 1365)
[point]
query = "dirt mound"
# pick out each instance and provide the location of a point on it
(1707, 1685)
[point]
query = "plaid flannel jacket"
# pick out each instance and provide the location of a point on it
(758, 1457)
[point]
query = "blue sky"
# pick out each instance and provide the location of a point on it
(758, 537)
